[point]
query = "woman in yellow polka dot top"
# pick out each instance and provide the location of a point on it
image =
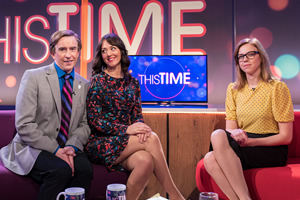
(259, 117)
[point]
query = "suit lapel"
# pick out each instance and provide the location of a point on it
(52, 78)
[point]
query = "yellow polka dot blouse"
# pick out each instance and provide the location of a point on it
(260, 110)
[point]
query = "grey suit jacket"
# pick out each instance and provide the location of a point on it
(38, 116)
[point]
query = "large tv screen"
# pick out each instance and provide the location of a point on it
(171, 78)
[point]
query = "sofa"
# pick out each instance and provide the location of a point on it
(265, 183)
(13, 186)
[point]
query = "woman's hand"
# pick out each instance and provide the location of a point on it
(142, 137)
(141, 130)
(137, 128)
(240, 136)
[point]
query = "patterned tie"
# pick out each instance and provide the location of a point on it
(66, 110)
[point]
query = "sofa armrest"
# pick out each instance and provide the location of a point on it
(7, 126)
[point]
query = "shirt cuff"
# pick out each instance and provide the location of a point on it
(56, 150)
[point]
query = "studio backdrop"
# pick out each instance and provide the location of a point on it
(156, 27)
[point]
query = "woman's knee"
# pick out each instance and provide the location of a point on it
(146, 160)
(154, 139)
(218, 138)
(143, 160)
(210, 162)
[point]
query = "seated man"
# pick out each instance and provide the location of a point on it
(51, 122)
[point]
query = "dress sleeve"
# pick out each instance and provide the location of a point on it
(96, 119)
(282, 105)
(136, 113)
(231, 103)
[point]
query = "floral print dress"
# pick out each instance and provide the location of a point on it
(112, 105)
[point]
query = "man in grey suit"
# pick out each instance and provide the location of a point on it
(35, 150)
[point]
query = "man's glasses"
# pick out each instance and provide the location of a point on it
(250, 55)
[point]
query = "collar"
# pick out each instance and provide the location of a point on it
(61, 73)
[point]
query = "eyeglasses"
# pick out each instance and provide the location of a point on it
(250, 55)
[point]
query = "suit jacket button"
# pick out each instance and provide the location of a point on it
(57, 129)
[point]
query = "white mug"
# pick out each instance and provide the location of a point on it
(73, 193)
(208, 196)
(116, 192)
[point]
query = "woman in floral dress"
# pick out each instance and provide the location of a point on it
(120, 140)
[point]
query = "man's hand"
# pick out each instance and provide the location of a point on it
(69, 150)
(67, 154)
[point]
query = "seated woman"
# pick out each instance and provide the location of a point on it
(259, 116)
(120, 139)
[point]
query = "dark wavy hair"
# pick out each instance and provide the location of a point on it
(99, 65)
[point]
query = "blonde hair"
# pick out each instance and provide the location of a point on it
(266, 74)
